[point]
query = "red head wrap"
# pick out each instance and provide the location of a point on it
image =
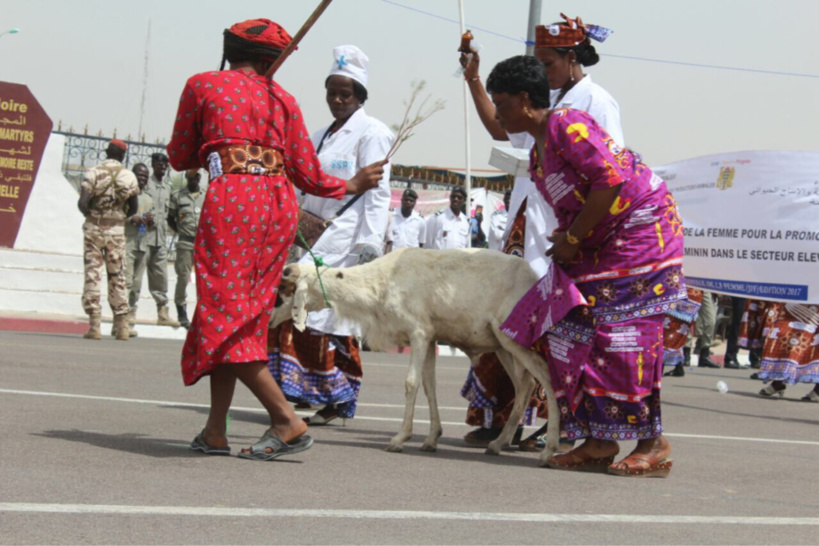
(119, 144)
(262, 31)
(569, 34)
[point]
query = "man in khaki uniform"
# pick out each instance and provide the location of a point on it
(186, 205)
(156, 238)
(108, 195)
(136, 243)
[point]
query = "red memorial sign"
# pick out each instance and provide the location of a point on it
(24, 131)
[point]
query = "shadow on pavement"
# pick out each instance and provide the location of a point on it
(138, 444)
(413, 449)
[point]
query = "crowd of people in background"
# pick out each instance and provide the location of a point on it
(580, 229)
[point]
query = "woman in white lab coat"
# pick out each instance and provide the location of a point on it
(322, 366)
(564, 49)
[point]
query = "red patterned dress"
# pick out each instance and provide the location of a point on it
(248, 221)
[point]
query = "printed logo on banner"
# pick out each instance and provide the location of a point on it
(726, 178)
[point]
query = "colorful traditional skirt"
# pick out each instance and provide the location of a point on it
(679, 326)
(247, 224)
(605, 361)
(752, 330)
(790, 346)
(320, 369)
(488, 388)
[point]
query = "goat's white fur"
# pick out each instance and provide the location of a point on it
(416, 297)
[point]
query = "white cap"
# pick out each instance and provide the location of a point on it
(351, 62)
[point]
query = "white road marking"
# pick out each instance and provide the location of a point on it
(193, 405)
(368, 418)
(392, 514)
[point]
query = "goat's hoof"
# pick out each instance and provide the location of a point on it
(430, 448)
(543, 462)
(491, 451)
(394, 448)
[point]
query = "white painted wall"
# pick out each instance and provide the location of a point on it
(52, 223)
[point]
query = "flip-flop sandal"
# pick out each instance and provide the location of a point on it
(259, 450)
(580, 462)
(199, 444)
(655, 469)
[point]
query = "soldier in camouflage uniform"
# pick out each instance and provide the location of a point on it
(183, 217)
(136, 243)
(108, 195)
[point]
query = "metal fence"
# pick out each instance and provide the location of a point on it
(83, 151)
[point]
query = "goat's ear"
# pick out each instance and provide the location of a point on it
(299, 312)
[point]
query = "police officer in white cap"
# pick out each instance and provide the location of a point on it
(449, 228)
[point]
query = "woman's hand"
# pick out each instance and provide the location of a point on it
(562, 251)
(367, 178)
(471, 64)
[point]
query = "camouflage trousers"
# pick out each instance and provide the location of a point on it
(104, 247)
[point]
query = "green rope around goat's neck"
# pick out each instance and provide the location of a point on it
(318, 263)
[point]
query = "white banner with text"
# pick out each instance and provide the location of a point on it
(751, 223)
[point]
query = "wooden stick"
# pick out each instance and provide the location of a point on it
(297, 38)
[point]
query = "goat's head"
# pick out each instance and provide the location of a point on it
(294, 291)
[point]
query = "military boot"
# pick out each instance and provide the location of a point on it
(182, 315)
(121, 329)
(163, 319)
(705, 360)
(93, 327)
(132, 322)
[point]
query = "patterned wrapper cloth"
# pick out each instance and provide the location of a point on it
(605, 356)
(787, 335)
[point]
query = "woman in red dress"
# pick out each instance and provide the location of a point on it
(250, 134)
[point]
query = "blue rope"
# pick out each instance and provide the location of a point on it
(627, 57)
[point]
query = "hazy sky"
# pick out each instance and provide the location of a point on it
(83, 60)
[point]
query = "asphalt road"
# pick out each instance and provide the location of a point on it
(95, 439)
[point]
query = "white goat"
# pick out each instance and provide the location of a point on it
(416, 297)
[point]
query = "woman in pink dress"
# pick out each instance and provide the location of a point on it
(250, 134)
(597, 316)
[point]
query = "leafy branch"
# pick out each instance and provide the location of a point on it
(425, 110)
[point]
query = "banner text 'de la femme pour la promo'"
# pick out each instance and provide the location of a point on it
(24, 132)
(751, 223)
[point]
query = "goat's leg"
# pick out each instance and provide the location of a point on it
(428, 377)
(418, 355)
(553, 431)
(539, 368)
(524, 385)
(536, 362)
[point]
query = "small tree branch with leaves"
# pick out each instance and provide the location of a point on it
(405, 129)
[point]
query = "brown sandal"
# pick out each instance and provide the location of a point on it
(634, 467)
(580, 461)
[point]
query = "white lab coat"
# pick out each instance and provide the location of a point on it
(445, 231)
(597, 102)
(540, 218)
(361, 141)
(408, 232)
